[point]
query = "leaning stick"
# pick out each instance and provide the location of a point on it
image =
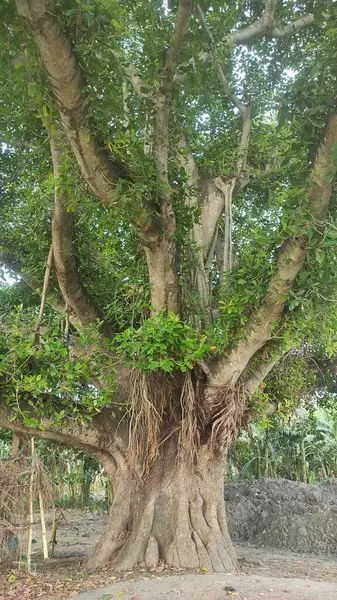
(43, 527)
(30, 508)
(44, 294)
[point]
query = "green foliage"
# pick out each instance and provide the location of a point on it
(163, 342)
(45, 377)
(303, 449)
(291, 85)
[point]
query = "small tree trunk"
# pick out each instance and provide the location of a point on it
(85, 492)
(266, 454)
(177, 515)
(15, 445)
(304, 463)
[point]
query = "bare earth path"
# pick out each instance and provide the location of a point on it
(265, 573)
(215, 587)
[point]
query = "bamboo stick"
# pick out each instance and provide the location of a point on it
(30, 508)
(43, 527)
(53, 535)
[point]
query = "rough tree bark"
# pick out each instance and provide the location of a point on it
(175, 516)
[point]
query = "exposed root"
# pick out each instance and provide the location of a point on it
(152, 553)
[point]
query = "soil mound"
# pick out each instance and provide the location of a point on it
(283, 514)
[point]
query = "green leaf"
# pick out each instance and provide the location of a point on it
(319, 255)
(30, 422)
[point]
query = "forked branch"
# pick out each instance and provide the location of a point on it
(265, 26)
(288, 264)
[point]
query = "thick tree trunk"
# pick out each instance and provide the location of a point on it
(177, 515)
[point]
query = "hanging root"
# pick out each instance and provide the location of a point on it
(146, 415)
(196, 415)
(227, 416)
(160, 409)
(189, 433)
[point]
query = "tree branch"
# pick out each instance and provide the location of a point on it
(18, 144)
(102, 437)
(138, 84)
(163, 100)
(100, 172)
(45, 288)
(263, 363)
(220, 72)
(75, 295)
(45, 285)
(239, 178)
(281, 32)
(9, 260)
(161, 258)
(265, 27)
(263, 369)
(186, 161)
(289, 262)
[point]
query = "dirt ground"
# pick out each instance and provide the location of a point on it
(215, 587)
(265, 573)
(284, 514)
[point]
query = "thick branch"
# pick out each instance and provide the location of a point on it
(281, 32)
(102, 437)
(212, 208)
(289, 262)
(263, 364)
(187, 162)
(161, 259)
(73, 292)
(265, 27)
(163, 102)
(65, 77)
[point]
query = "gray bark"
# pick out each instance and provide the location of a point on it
(75, 295)
(176, 515)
